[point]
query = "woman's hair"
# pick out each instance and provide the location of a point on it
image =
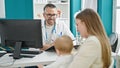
(64, 44)
(94, 27)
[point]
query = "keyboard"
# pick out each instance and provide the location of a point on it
(1, 54)
(31, 52)
(24, 56)
(26, 52)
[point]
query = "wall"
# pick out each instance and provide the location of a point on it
(75, 5)
(23, 9)
(105, 12)
(19, 9)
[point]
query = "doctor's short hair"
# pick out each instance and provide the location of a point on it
(64, 44)
(50, 6)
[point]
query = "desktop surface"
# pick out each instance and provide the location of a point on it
(1, 54)
(43, 58)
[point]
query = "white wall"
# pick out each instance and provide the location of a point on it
(2, 9)
(89, 4)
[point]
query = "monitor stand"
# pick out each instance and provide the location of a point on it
(16, 53)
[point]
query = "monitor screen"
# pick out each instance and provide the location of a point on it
(27, 32)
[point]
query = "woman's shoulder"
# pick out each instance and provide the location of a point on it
(93, 38)
(92, 44)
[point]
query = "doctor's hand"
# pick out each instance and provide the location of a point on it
(46, 46)
(40, 66)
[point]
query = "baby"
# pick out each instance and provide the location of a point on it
(63, 47)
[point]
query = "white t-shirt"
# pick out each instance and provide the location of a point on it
(48, 31)
(61, 62)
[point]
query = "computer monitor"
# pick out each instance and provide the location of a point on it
(20, 34)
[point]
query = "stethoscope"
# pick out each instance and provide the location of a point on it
(52, 32)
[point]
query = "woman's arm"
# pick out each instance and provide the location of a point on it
(87, 54)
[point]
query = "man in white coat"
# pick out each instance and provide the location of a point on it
(52, 27)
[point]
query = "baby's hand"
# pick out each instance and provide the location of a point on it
(40, 66)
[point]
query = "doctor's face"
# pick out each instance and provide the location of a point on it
(81, 28)
(50, 15)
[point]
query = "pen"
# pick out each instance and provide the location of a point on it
(60, 34)
(52, 40)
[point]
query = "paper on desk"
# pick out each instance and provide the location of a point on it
(6, 60)
(45, 56)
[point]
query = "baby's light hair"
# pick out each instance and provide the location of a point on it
(64, 44)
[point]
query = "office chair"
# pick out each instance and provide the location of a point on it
(113, 41)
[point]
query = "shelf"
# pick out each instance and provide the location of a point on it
(63, 6)
(52, 3)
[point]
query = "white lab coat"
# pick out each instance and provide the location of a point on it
(60, 29)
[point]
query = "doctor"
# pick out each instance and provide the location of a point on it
(52, 27)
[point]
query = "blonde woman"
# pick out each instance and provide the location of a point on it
(95, 51)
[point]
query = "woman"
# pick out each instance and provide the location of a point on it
(95, 51)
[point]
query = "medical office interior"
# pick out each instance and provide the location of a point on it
(109, 11)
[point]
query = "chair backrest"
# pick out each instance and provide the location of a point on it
(113, 41)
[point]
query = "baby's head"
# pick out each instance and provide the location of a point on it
(63, 45)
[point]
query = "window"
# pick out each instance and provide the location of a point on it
(116, 16)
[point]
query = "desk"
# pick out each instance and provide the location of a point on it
(43, 58)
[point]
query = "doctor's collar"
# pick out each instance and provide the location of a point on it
(48, 25)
